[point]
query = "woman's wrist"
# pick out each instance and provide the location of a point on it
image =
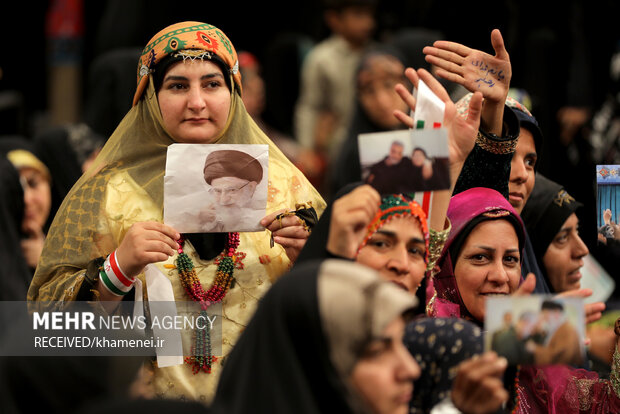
(113, 279)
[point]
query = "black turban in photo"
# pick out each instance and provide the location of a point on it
(231, 163)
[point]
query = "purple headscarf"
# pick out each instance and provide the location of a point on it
(466, 210)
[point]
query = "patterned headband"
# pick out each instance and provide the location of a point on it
(396, 205)
(181, 38)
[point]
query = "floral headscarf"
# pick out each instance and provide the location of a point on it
(397, 205)
(183, 36)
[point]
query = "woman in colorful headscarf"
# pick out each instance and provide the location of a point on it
(458, 289)
(391, 235)
(359, 209)
(326, 338)
(110, 224)
(482, 257)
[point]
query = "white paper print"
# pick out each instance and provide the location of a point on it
(211, 188)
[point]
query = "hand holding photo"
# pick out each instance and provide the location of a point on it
(405, 161)
(536, 329)
(607, 198)
(212, 188)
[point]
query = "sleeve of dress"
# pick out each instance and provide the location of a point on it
(488, 163)
(562, 389)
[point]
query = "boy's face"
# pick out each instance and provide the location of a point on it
(355, 23)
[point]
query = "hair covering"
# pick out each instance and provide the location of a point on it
(439, 345)
(64, 150)
(22, 153)
(305, 338)
(21, 158)
(524, 116)
(544, 214)
(347, 169)
(124, 186)
(15, 274)
(527, 121)
(231, 163)
(397, 205)
(182, 36)
(466, 210)
(400, 206)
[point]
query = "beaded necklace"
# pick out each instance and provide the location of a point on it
(202, 358)
(517, 399)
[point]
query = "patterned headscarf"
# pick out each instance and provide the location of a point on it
(466, 210)
(397, 205)
(183, 36)
(92, 222)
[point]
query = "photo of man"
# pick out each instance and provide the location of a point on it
(387, 175)
(213, 188)
(562, 343)
(405, 161)
(536, 329)
(232, 177)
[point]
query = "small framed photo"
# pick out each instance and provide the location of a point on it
(210, 188)
(405, 161)
(536, 329)
(608, 204)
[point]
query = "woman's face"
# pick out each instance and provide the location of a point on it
(564, 257)
(376, 91)
(194, 101)
(418, 158)
(522, 174)
(397, 251)
(488, 264)
(37, 199)
(384, 375)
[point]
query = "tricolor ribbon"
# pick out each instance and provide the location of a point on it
(114, 278)
(428, 114)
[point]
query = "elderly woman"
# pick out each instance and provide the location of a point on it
(110, 225)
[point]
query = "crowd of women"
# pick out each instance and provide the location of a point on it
(361, 304)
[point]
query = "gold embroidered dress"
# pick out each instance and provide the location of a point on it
(125, 186)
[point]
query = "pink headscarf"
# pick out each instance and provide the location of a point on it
(466, 210)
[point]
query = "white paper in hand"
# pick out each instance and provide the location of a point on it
(429, 109)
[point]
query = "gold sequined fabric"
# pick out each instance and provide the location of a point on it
(125, 186)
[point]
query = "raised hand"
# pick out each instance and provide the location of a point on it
(351, 214)
(478, 386)
(461, 131)
(475, 70)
